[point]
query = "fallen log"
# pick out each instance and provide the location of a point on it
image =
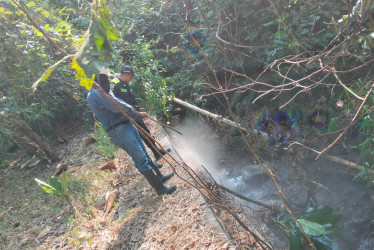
(218, 118)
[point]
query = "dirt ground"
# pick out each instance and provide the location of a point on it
(139, 219)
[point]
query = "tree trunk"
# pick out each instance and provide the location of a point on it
(26, 138)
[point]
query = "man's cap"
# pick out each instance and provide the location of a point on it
(127, 69)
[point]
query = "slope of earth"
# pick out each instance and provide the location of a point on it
(139, 219)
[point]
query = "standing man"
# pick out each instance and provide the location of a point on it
(124, 135)
(121, 90)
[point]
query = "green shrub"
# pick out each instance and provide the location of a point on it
(104, 146)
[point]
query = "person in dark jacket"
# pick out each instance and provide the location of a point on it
(121, 89)
(123, 134)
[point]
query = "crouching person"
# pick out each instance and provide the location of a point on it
(124, 135)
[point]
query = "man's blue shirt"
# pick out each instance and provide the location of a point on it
(105, 111)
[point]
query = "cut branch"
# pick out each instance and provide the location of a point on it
(350, 124)
(247, 198)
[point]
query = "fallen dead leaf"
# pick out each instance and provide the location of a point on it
(113, 164)
(61, 167)
(88, 140)
(110, 199)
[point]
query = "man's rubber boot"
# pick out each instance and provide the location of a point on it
(157, 184)
(162, 177)
(154, 164)
(162, 152)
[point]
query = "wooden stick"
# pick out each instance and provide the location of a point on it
(345, 162)
(349, 125)
(333, 158)
(246, 198)
(162, 124)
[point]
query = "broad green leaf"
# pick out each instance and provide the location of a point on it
(47, 188)
(81, 76)
(99, 41)
(333, 125)
(335, 230)
(38, 33)
(281, 35)
(48, 72)
(321, 214)
(45, 13)
(53, 181)
(4, 13)
(325, 243)
(30, 4)
(296, 240)
(95, 50)
(268, 24)
(46, 27)
(311, 228)
(102, 14)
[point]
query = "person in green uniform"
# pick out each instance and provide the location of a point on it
(121, 89)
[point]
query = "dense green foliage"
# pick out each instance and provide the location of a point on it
(317, 55)
(318, 222)
(25, 55)
(189, 49)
